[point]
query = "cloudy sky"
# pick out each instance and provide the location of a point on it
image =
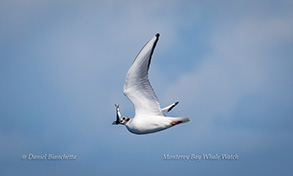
(63, 65)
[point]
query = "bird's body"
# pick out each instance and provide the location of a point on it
(149, 117)
(151, 124)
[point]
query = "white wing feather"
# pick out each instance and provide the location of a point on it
(137, 87)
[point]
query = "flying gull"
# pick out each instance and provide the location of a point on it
(149, 116)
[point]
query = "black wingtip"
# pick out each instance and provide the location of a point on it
(173, 106)
(158, 35)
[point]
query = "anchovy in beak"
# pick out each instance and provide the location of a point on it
(118, 117)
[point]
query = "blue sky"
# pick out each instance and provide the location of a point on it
(63, 65)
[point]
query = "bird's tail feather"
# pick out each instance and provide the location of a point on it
(180, 119)
(183, 119)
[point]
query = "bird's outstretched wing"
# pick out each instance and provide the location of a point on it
(137, 86)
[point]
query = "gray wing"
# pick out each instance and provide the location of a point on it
(137, 86)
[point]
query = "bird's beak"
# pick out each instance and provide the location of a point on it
(115, 123)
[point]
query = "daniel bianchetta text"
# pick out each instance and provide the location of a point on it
(48, 157)
(199, 157)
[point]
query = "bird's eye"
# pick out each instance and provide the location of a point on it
(123, 118)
